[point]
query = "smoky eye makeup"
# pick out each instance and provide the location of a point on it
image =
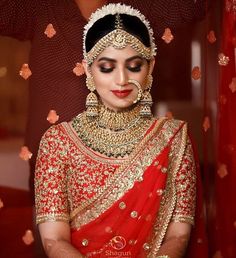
(135, 66)
(106, 66)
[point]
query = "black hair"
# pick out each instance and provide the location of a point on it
(131, 24)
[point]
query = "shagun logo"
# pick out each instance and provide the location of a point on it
(118, 243)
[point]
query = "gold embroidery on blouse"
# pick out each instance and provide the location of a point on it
(115, 185)
(123, 179)
(46, 184)
(52, 217)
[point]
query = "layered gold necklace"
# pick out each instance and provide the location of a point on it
(114, 134)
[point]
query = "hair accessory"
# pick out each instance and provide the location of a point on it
(118, 38)
(118, 22)
(149, 82)
(140, 91)
(91, 100)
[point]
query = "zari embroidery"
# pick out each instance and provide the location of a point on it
(114, 178)
(123, 180)
(167, 210)
(126, 176)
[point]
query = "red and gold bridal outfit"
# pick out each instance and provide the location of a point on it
(117, 207)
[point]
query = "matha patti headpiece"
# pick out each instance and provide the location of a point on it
(118, 38)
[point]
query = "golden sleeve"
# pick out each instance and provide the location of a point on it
(50, 177)
(186, 188)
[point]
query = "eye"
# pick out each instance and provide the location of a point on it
(134, 68)
(106, 66)
(105, 69)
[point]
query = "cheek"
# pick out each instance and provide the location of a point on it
(101, 82)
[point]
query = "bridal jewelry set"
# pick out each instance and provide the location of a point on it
(115, 134)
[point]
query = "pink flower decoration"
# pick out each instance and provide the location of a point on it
(196, 73)
(3, 71)
(223, 59)
(52, 117)
(222, 171)
(199, 241)
(167, 36)
(50, 31)
(211, 36)
(230, 6)
(79, 69)
(25, 71)
(206, 124)
(232, 85)
(25, 154)
(28, 237)
(1, 203)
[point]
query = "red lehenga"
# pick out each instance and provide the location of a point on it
(117, 207)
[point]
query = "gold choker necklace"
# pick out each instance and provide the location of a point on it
(114, 134)
(117, 121)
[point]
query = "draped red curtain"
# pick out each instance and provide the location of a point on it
(225, 181)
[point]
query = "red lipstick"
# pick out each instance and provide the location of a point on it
(121, 93)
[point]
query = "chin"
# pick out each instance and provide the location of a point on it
(119, 105)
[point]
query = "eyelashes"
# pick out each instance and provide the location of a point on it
(106, 70)
(134, 69)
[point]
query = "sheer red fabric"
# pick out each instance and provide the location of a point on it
(226, 173)
(138, 208)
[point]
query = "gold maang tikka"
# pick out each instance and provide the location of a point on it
(91, 100)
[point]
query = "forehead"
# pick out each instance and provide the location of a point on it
(118, 54)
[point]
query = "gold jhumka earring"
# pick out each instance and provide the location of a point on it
(146, 101)
(91, 100)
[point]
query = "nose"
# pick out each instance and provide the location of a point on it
(122, 78)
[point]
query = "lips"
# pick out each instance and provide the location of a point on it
(121, 93)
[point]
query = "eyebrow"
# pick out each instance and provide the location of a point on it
(114, 60)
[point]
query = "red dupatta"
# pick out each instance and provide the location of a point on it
(119, 221)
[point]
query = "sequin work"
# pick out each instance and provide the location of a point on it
(76, 185)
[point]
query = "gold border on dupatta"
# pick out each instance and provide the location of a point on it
(126, 175)
(169, 199)
(123, 179)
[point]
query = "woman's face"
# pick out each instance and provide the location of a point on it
(111, 71)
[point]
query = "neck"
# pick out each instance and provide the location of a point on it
(88, 7)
